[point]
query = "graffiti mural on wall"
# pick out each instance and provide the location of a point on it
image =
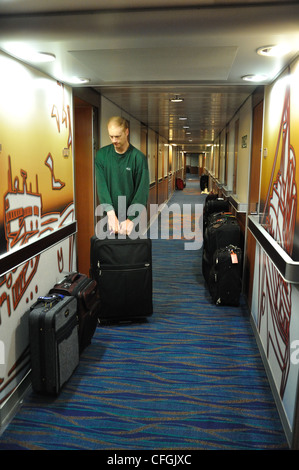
(279, 219)
(24, 222)
(25, 219)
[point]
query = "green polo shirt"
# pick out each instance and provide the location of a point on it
(121, 175)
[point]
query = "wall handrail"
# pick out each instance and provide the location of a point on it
(19, 256)
(288, 268)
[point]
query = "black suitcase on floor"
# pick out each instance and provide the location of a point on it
(221, 232)
(122, 268)
(219, 217)
(211, 196)
(88, 303)
(223, 229)
(206, 265)
(216, 205)
(225, 276)
(213, 206)
(54, 344)
(204, 182)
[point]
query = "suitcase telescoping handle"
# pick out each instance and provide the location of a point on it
(48, 300)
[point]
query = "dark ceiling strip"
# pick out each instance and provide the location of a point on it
(138, 9)
(13, 259)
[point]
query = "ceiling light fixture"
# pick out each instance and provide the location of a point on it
(79, 80)
(42, 57)
(254, 78)
(177, 99)
(182, 118)
(274, 51)
(28, 54)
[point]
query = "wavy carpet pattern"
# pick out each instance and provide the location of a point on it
(190, 377)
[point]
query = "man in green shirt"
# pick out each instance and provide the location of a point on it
(121, 170)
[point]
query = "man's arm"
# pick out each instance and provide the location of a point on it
(141, 182)
(102, 188)
(104, 195)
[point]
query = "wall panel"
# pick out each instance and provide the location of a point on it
(37, 219)
(275, 301)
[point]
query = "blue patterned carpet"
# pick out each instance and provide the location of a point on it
(190, 377)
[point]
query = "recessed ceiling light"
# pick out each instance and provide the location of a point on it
(42, 57)
(28, 54)
(274, 51)
(255, 78)
(79, 80)
(177, 99)
(182, 118)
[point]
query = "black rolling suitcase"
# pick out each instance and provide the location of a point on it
(221, 231)
(219, 217)
(216, 205)
(204, 182)
(225, 276)
(123, 271)
(211, 196)
(213, 206)
(54, 344)
(88, 303)
(206, 266)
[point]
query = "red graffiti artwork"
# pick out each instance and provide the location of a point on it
(279, 218)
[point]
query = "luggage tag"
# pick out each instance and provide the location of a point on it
(234, 257)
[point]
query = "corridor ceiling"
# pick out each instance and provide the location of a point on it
(141, 53)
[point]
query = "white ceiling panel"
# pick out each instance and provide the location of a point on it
(163, 63)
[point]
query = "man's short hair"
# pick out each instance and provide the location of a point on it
(119, 121)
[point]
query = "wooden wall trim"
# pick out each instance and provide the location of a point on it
(15, 258)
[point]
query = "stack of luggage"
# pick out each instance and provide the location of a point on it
(222, 253)
(61, 326)
(62, 323)
(85, 290)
